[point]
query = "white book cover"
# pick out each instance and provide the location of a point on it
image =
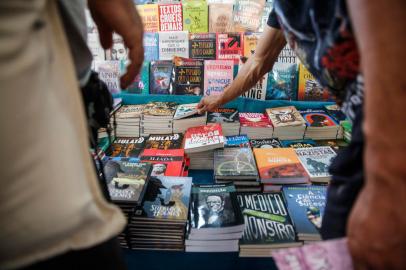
(316, 160)
(175, 43)
(258, 91)
(109, 72)
(93, 41)
(185, 110)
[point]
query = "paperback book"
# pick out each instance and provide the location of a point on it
(266, 143)
(188, 76)
(221, 18)
(195, 16)
(164, 162)
(202, 46)
(316, 161)
(265, 15)
(246, 14)
(150, 17)
(259, 90)
(185, 110)
(170, 17)
(126, 147)
(250, 43)
(218, 74)
(309, 88)
(230, 46)
(335, 112)
(150, 42)
(164, 142)
(299, 143)
(160, 77)
(285, 116)
(173, 43)
(93, 42)
(140, 85)
(109, 73)
(203, 138)
(236, 141)
(223, 115)
(235, 163)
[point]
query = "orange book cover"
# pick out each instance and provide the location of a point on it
(279, 166)
(150, 17)
(309, 88)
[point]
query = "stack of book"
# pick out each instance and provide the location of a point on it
(256, 125)
(319, 125)
(186, 116)
(216, 222)
(228, 118)
(316, 161)
(130, 147)
(165, 141)
(169, 162)
(279, 166)
(265, 143)
(127, 120)
(157, 118)
(268, 225)
(126, 183)
(159, 223)
(306, 207)
(236, 141)
(200, 143)
(236, 165)
(299, 143)
(287, 122)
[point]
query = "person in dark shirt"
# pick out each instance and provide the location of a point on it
(352, 53)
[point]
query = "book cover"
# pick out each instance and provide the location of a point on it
(160, 77)
(170, 17)
(236, 141)
(195, 16)
(109, 73)
(266, 143)
(173, 43)
(316, 160)
(250, 43)
(317, 118)
(330, 254)
(218, 74)
(299, 143)
(223, 115)
(93, 42)
(202, 136)
(129, 111)
(150, 17)
(202, 46)
(259, 90)
(150, 42)
(285, 116)
(214, 206)
(254, 120)
(234, 162)
(159, 109)
(126, 181)
(221, 18)
(335, 112)
(140, 85)
(230, 46)
(185, 110)
(306, 207)
(246, 14)
(164, 142)
(265, 15)
(118, 51)
(188, 76)
(279, 164)
(164, 162)
(335, 144)
(267, 221)
(166, 198)
(309, 88)
(126, 147)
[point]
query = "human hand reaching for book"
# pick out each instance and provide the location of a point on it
(121, 17)
(209, 103)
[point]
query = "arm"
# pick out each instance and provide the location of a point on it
(376, 229)
(269, 46)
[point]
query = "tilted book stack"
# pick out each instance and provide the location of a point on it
(319, 125)
(127, 119)
(287, 122)
(256, 125)
(216, 222)
(186, 116)
(228, 118)
(157, 118)
(316, 161)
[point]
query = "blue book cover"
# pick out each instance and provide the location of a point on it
(237, 141)
(299, 143)
(282, 82)
(306, 207)
(150, 46)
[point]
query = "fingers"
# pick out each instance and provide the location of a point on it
(136, 56)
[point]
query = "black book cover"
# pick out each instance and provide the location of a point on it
(202, 46)
(160, 77)
(164, 142)
(223, 115)
(265, 143)
(231, 162)
(126, 147)
(187, 78)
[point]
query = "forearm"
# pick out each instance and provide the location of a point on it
(269, 46)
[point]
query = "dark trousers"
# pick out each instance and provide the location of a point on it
(105, 256)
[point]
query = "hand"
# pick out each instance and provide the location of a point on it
(210, 103)
(376, 230)
(121, 17)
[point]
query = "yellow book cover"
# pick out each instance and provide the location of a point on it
(150, 17)
(309, 88)
(250, 43)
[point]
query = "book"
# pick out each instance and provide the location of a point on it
(316, 161)
(246, 14)
(203, 138)
(306, 206)
(236, 141)
(195, 16)
(150, 17)
(285, 116)
(221, 18)
(279, 166)
(335, 144)
(151, 44)
(335, 112)
(93, 42)
(164, 162)
(126, 147)
(160, 77)
(126, 181)
(166, 199)
(118, 50)
(265, 15)
(254, 120)
(170, 17)
(188, 76)
(162, 110)
(235, 163)
(266, 143)
(202, 46)
(109, 72)
(173, 43)
(267, 222)
(164, 142)
(259, 90)
(299, 143)
(309, 88)
(230, 46)
(318, 118)
(223, 115)
(185, 110)
(218, 74)
(140, 85)
(250, 43)
(214, 208)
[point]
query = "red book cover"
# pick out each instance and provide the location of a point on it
(255, 120)
(204, 136)
(170, 17)
(165, 162)
(230, 46)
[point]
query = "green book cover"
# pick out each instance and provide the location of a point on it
(140, 85)
(195, 16)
